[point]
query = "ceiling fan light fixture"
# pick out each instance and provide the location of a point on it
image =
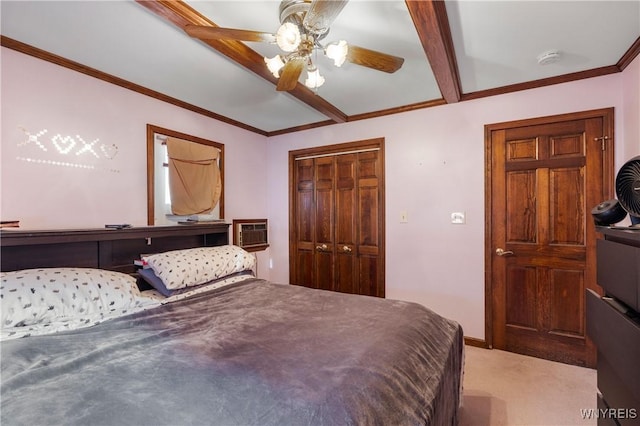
(314, 79)
(304, 23)
(337, 51)
(288, 37)
(274, 65)
(321, 15)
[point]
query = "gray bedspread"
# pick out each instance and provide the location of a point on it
(253, 353)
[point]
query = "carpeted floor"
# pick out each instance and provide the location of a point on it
(503, 388)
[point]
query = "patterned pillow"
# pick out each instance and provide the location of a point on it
(190, 267)
(40, 296)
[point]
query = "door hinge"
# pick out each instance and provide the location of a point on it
(602, 140)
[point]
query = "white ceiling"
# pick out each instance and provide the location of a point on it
(496, 44)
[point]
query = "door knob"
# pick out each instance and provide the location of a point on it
(502, 252)
(346, 249)
(323, 247)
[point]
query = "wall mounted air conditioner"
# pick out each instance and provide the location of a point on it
(251, 234)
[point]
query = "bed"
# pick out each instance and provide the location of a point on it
(209, 344)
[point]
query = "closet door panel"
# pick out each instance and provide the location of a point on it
(304, 271)
(369, 271)
(304, 180)
(368, 201)
(346, 282)
(324, 271)
(346, 206)
(325, 223)
(346, 215)
(324, 209)
(304, 200)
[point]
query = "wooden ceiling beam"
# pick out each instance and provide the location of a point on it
(431, 22)
(180, 14)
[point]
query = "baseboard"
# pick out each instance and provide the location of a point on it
(478, 343)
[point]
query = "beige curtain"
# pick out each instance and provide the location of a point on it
(194, 177)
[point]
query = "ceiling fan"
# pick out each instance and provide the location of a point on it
(303, 25)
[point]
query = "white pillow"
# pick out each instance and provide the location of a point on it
(41, 296)
(186, 268)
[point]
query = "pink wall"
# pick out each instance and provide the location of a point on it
(71, 107)
(438, 153)
(435, 166)
(631, 111)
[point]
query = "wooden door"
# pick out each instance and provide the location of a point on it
(337, 217)
(544, 177)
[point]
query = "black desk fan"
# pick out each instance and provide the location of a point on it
(628, 192)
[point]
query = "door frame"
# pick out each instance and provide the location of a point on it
(607, 115)
(336, 149)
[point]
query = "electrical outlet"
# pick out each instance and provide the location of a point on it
(458, 218)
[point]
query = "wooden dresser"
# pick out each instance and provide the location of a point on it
(613, 322)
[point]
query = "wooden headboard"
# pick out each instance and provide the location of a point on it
(113, 249)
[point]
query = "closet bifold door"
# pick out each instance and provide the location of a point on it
(302, 219)
(324, 264)
(346, 280)
(370, 223)
(337, 220)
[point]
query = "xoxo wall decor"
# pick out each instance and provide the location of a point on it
(66, 151)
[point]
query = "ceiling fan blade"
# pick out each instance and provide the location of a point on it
(372, 59)
(290, 74)
(217, 33)
(321, 15)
